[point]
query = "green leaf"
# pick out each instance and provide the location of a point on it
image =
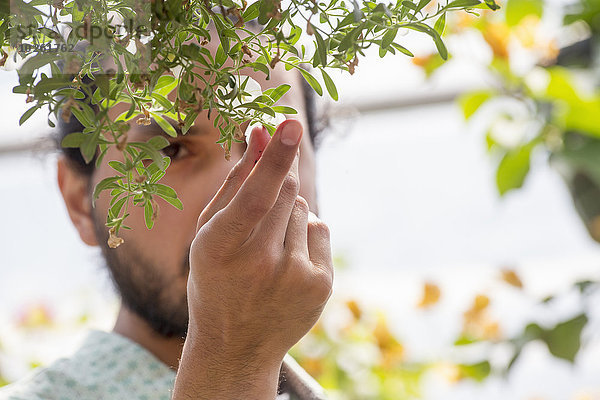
(585, 285)
(440, 24)
(165, 85)
(583, 117)
(103, 152)
(257, 66)
(564, 340)
(47, 85)
(279, 91)
(422, 4)
(295, 35)
(463, 4)
(118, 166)
(311, 81)
(513, 169)
(561, 86)
(516, 10)
(220, 57)
(102, 82)
(118, 206)
(189, 121)
(492, 5)
(167, 127)
(89, 146)
(251, 12)
(158, 142)
(174, 202)
(439, 43)
(471, 102)
(284, 110)
(409, 4)
(465, 340)
(155, 172)
(27, 114)
(402, 49)
(322, 48)
(148, 214)
(266, 7)
(388, 37)
(104, 184)
(349, 39)
(162, 100)
(258, 107)
(82, 117)
(37, 61)
(222, 32)
(330, 85)
(67, 92)
(165, 191)
(477, 372)
(151, 152)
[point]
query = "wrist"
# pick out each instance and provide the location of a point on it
(210, 369)
(219, 337)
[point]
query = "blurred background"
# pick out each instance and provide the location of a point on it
(463, 199)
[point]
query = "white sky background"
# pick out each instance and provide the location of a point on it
(408, 194)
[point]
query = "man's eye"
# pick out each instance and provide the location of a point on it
(175, 151)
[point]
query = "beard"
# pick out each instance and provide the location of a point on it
(144, 286)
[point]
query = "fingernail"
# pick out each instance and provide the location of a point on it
(290, 134)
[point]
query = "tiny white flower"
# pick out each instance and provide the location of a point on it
(511, 131)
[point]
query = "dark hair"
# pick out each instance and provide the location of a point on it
(77, 162)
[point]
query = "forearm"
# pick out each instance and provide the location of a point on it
(209, 371)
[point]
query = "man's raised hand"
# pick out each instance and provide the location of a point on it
(261, 273)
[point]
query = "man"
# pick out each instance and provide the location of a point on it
(218, 292)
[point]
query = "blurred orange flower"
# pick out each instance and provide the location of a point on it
(391, 349)
(510, 276)
(35, 316)
(354, 309)
(422, 61)
(497, 36)
(431, 295)
(526, 31)
(314, 366)
(476, 322)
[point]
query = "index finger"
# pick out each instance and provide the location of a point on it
(261, 189)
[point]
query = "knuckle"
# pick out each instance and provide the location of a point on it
(269, 259)
(302, 203)
(277, 164)
(235, 226)
(300, 207)
(319, 227)
(200, 223)
(291, 185)
(199, 248)
(234, 174)
(255, 206)
(323, 283)
(296, 259)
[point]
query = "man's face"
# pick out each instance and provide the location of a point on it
(151, 268)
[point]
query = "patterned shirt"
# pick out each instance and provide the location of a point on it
(106, 366)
